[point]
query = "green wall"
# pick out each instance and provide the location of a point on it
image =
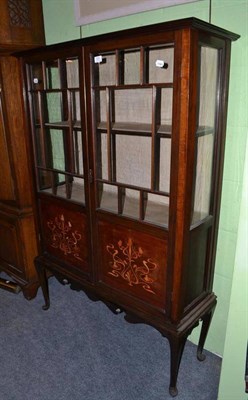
(229, 14)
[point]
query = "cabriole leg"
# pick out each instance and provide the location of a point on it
(206, 321)
(43, 282)
(176, 348)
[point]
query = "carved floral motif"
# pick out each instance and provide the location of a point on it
(63, 237)
(19, 13)
(128, 263)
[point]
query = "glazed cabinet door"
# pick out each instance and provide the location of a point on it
(60, 159)
(131, 99)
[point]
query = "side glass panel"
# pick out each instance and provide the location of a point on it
(57, 130)
(205, 135)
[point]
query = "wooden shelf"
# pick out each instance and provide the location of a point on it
(139, 129)
(63, 124)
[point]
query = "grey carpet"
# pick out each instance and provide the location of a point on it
(79, 350)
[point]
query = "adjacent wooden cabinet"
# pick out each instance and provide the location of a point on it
(128, 134)
(21, 28)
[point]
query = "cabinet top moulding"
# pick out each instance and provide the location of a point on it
(187, 23)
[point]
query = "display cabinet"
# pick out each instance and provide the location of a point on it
(21, 28)
(128, 134)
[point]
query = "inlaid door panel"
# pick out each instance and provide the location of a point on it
(65, 234)
(133, 262)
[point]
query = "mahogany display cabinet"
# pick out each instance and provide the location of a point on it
(128, 133)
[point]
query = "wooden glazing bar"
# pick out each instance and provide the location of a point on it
(58, 171)
(42, 132)
(143, 66)
(68, 185)
(62, 74)
(99, 194)
(135, 86)
(119, 71)
(44, 75)
(109, 135)
(70, 151)
(155, 159)
(54, 182)
(76, 154)
(127, 186)
(142, 204)
(121, 198)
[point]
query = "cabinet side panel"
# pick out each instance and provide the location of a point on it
(133, 262)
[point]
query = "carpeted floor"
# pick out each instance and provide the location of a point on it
(79, 350)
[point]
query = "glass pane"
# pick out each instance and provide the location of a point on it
(205, 133)
(161, 64)
(104, 69)
(102, 156)
(100, 109)
(157, 209)
(108, 197)
(133, 106)
(165, 161)
(53, 107)
(133, 165)
(61, 185)
(45, 180)
(205, 145)
(35, 104)
(72, 73)
(131, 204)
(40, 148)
(166, 110)
(52, 75)
(56, 139)
(131, 60)
(208, 86)
(75, 102)
(78, 152)
(36, 77)
(77, 192)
